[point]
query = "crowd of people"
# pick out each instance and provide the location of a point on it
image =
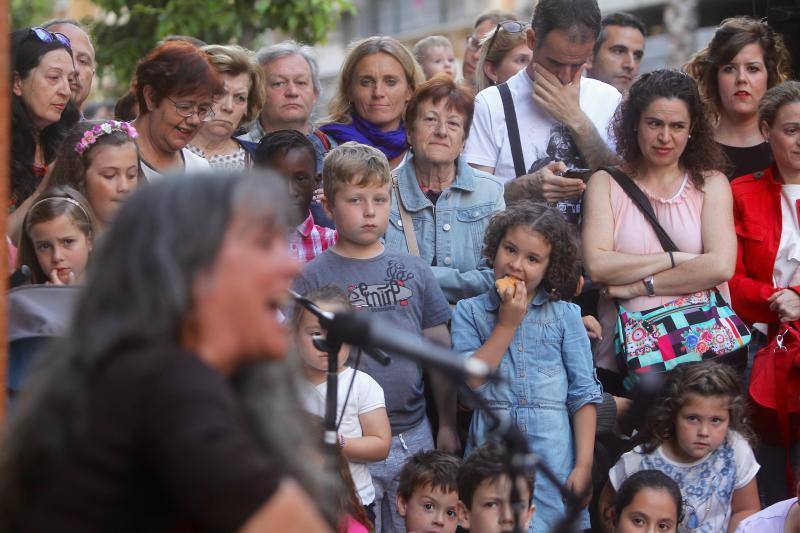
(621, 249)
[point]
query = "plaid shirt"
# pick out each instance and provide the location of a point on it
(309, 240)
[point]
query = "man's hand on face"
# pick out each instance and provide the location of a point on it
(560, 100)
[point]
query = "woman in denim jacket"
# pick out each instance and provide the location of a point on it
(537, 344)
(449, 202)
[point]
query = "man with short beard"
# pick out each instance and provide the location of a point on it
(82, 54)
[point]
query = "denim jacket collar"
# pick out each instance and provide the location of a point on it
(412, 196)
(492, 303)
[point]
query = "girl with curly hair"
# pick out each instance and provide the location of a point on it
(698, 435)
(744, 58)
(537, 343)
(667, 149)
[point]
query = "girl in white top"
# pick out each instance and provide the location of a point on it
(363, 431)
(699, 438)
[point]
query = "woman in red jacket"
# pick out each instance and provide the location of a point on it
(765, 290)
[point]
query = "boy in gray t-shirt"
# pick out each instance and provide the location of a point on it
(400, 288)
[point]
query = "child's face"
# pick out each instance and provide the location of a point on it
(299, 168)
(438, 59)
(113, 172)
(491, 507)
(700, 427)
(430, 510)
(650, 511)
(523, 254)
(361, 214)
(62, 249)
(307, 329)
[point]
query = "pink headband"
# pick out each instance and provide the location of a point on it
(90, 136)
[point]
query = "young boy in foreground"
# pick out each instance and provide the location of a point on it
(484, 493)
(427, 495)
(398, 287)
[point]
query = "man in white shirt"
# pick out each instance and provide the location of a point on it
(562, 119)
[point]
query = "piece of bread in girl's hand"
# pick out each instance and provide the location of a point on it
(506, 282)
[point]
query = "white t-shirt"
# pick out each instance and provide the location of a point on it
(191, 163)
(366, 396)
(540, 135)
(543, 139)
(770, 520)
(788, 258)
(707, 485)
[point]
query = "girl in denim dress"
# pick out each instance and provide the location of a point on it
(537, 343)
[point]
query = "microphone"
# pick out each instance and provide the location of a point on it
(19, 276)
(369, 333)
(325, 318)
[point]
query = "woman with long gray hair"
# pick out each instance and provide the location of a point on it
(159, 408)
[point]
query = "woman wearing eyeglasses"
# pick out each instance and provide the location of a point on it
(41, 112)
(504, 52)
(241, 101)
(175, 85)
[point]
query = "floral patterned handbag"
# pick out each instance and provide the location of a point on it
(691, 328)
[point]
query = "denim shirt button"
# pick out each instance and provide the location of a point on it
(446, 227)
(400, 222)
(447, 260)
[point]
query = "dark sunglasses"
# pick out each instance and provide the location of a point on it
(509, 26)
(44, 36)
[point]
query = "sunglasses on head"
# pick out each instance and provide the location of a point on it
(509, 26)
(45, 36)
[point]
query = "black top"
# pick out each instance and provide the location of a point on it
(165, 445)
(748, 159)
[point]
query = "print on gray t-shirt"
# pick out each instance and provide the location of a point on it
(402, 289)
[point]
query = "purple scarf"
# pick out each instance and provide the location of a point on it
(391, 143)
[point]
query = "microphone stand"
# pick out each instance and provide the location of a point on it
(519, 458)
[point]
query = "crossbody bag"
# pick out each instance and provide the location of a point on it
(691, 328)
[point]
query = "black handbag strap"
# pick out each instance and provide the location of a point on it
(512, 128)
(641, 201)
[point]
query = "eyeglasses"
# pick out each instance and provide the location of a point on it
(45, 36)
(509, 26)
(186, 110)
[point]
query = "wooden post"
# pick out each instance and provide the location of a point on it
(5, 171)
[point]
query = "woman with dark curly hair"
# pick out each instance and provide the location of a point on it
(698, 434)
(744, 58)
(667, 148)
(537, 343)
(41, 112)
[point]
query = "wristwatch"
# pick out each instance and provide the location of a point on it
(648, 285)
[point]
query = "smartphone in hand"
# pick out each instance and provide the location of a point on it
(579, 173)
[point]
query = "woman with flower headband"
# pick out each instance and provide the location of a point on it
(41, 112)
(101, 160)
(58, 232)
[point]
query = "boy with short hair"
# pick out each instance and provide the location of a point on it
(397, 286)
(427, 493)
(484, 493)
(293, 156)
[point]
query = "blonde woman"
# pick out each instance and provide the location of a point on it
(375, 84)
(504, 52)
(240, 102)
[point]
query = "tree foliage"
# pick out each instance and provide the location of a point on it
(27, 13)
(131, 29)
